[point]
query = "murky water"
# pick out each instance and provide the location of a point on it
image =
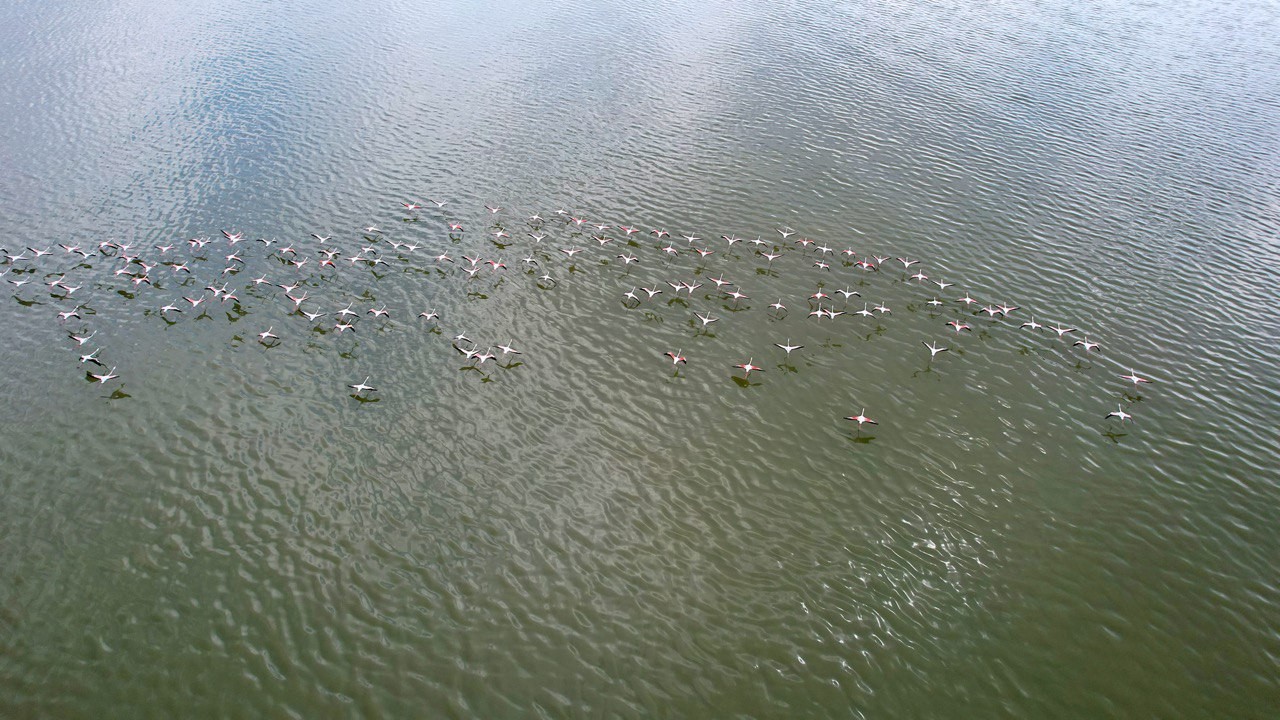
(586, 529)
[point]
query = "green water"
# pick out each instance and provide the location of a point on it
(585, 529)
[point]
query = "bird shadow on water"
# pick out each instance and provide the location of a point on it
(1082, 366)
(484, 376)
(743, 382)
(119, 394)
(860, 439)
(362, 399)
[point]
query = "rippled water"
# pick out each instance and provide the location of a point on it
(225, 530)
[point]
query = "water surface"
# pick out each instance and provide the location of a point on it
(586, 534)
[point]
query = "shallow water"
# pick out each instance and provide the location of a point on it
(225, 530)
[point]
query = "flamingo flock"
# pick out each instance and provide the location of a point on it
(185, 278)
